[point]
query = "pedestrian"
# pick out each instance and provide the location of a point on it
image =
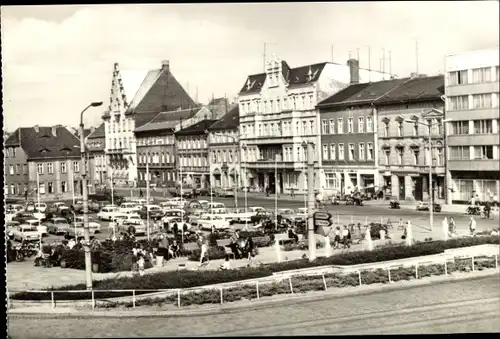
(292, 192)
(346, 237)
(267, 191)
(204, 253)
(472, 226)
(452, 227)
(226, 265)
(336, 243)
(140, 193)
(140, 264)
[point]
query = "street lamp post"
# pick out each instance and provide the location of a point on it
(88, 261)
(431, 200)
(244, 147)
(311, 202)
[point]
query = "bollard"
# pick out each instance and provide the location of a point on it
(178, 298)
(389, 274)
(416, 271)
(93, 300)
(290, 282)
(257, 288)
(221, 295)
(133, 298)
(446, 267)
(473, 268)
(359, 277)
(52, 299)
(324, 282)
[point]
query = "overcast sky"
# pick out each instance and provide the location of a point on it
(57, 59)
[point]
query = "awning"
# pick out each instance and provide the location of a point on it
(216, 172)
(386, 146)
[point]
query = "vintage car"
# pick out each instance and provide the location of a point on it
(41, 207)
(80, 232)
(172, 214)
(93, 206)
(224, 192)
(96, 227)
(133, 223)
(109, 213)
(216, 207)
(10, 226)
(290, 215)
(58, 208)
(206, 221)
(21, 217)
(38, 224)
(155, 212)
(57, 225)
(260, 216)
(25, 233)
(129, 207)
(302, 212)
(424, 206)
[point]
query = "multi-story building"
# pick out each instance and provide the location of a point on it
(472, 105)
(53, 153)
(95, 142)
(278, 114)
(403, 147)
(223, 140)
(191, 143)
(348, 143)
(156, 144)
(136, 98)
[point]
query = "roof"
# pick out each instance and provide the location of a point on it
(132, 81)
(293, 76)
(146, 84)
(143, 118)
(363, 93)
(167, 120)
(198, 128)
(417, 89)
(229, 121)
(99, 132)
(218, 101)
(43, 144)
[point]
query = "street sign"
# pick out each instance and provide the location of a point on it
(322, 223)
(322, 216)
(322, 219)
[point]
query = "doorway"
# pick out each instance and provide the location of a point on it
(401, 184)
(272, 183)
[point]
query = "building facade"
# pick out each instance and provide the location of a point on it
(135, 99)
(156, 145)
(223, 141)
(403, 146)
(472, 105)
(95, 142)
(44, 160)
(278, 114)
(192, 161)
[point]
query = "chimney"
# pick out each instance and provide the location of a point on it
(54, 131)
(92, 129)
(165, 65)
(353, 70)
(37, 128)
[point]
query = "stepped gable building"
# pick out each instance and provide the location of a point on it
(136, 98)
(192, 161)
(54, 153)
(472, 104)
(95, 142)
(156, 144)
(403, 147)
(278, 114)
(224, 147)
(348, 137)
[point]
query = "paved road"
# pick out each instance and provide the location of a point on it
(453, 307)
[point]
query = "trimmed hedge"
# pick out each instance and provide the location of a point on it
(185, 279)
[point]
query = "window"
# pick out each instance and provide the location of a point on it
(13, 152)
(415, 152)
(361, 151)
(386, 129)
(311, 126)
(482, 100)
(25, 169)
(483, 126)
(387, 156)
(361, 124)
(12, 189)
(400, 128)
(459, 102)
(369, 151)
(369, 124)
(39, 168)
(497, 70)
(50, 168)
(18, 169)
(340, 125)
(351, 152)
(332, 126)
(458, 78)
(333, 154)
(63, 166)
(341, 151)
(439, 156)
(483, 152)
(399, 153)
(11, 169)
(41, 188)
(76, 166)
(350, 127)
(415, 129)
(331, 180)
(459, 127)
(64, 187)
(325, 152)
(50, 187)
(481, 75)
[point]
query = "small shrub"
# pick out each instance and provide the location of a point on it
(403, 273)
(213, 254)
(378, 276)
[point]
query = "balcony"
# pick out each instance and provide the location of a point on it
(196, 169)
(268, 140)
(125, 151)
(424, 169)
(474, 165)
(266, 164)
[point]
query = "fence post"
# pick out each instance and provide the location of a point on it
(133, 298)
(52, 299)
(178, 298)
(324, 282)
(290, 282)
(221, 295)
(473, 268)
(359, 278)
(416, 271)
(389, 274)
(445, 267)
(93, 300)
(257, 287)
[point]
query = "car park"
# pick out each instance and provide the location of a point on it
(57, 225)
(132, 222)
(21, 217)
(25, 233)
(260, 216)
(129, 207)
(172, 214)
(79, 231)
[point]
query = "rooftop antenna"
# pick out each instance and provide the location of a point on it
(390, 64)
(350, 55)
(383, 60)
(196, 98)
(416, 53)
(357, 49)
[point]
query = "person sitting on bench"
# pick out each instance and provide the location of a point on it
(292, 234)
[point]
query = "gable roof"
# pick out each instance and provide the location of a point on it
(417, 89)
(344, 94)
(98, 133)
(300, 75)
(167, 120)
(143, 118)
(218, 101)
(196, 129)
(229, 121)
(43, 144)
(254, 83)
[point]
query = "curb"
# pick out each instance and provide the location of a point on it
(244, 306)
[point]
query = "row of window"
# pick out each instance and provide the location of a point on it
(159, 140)
(10, 152)
(223, 156)
(472, 152)
(328, 126)
(281, 128)
(193, 144)
(165, 176)
(193, 161)
(437, 156)
(122, 125)
(16, 169)
(43, 188)
(330, 152)
(473, 76)
(223, 137)
(296, 102)
(154, 158)
(473, 101)
(40, 167)
(472, 127)
(436, 127)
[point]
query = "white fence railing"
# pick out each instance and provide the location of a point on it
(257, 282)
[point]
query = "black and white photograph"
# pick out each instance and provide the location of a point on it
(251, 169)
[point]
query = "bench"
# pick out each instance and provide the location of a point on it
(190, 246)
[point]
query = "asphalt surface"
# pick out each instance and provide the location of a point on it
(452, 307)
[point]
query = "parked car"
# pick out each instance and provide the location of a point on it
(302, 212)
(21, 217)
(42, 207)
(256, 209)
(38, 224)
(133, 223)
(206, 222)
(170, 215)
(260, 216)
(57, 225)
(216, 207)
(129, 207)
(58, 208)
(204, 192)
(224, 192)
(106, 196)
(96, 227)
(80, 232)
(424, 206)
(155, 212)
(93, 206)
(26, 233)
(290, 215)
(10, 226)
(108, 213)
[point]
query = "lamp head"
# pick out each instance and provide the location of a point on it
(96, 104)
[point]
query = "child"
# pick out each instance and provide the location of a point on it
(226, 265)
(140, 263)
